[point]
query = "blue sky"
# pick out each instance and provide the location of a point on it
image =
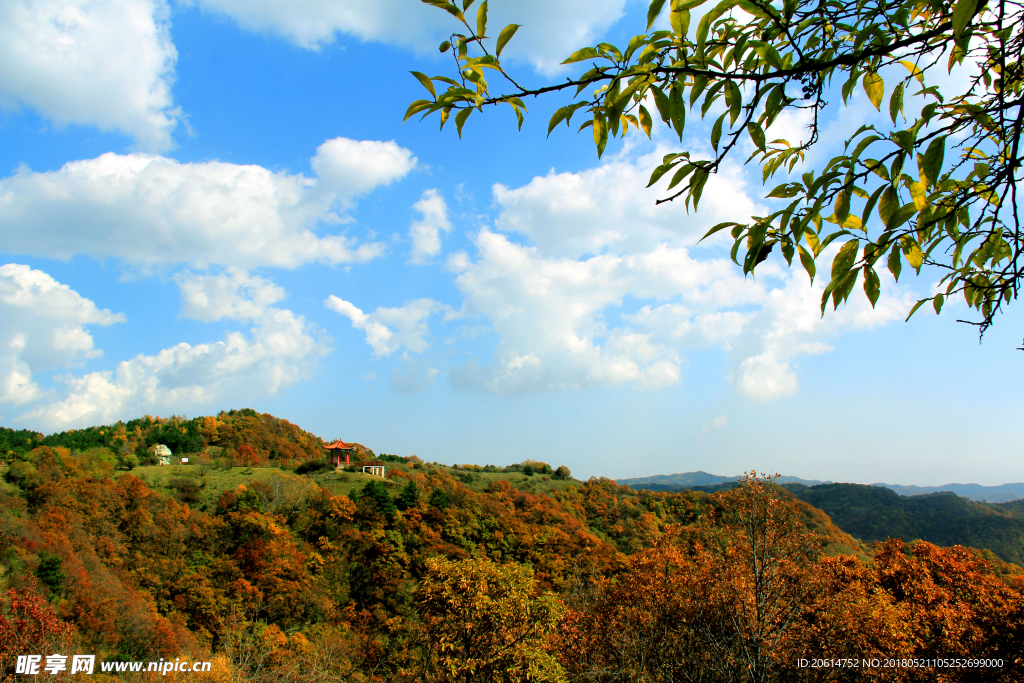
(215, 204)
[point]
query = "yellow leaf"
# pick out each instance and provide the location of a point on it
(875, 88)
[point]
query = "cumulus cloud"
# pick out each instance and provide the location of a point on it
(607, 208)
(389, 329)
(106, 63)
(573, 323)
(349, 168)
(789, 324)
(550, 30)
(425, 232)
(150, 210)
(234, 294)
(281, 348)
(555, 315)
(43, 328)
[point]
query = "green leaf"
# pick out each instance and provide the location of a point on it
(843, 287)
(962, 14)
(712, 231)
(895, 263)
(653, 12)
(901, 216)
(699, 83)
(918, 305)
(416, 107)
(887, 205)
(872, 286)
(874, 87)
(460, 119)
(937, 303)
(864, 144)
(702, 31)
(877, 168)
(896, 101)
(662, 103)
(600, 134)
(931, 166)
(757, 135)
(427, 83)
(681, 174)
(751, 8)
(680, 20)
(716, 131)
(845, 259)
(678, 108)
(445, 46)
(842, 207)
(582, 55)
(912, 250)
(505, 36)
(808, 262)
(557, 118)
(785, 190)
(774, 103)
(481, 20)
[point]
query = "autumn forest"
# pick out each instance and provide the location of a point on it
(259, 557)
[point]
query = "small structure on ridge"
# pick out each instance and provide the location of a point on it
(338, 450)
(374, 468)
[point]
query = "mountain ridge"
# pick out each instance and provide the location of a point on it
(1002, 493)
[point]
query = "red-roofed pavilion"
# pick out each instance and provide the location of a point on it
(336, 450)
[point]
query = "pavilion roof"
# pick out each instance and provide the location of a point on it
(339, 445)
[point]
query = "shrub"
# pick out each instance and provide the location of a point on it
(313, 466)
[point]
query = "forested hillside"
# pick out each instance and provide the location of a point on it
(234, 437)
(872, 513)
(468, 573)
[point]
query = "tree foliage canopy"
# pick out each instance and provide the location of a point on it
(937, 188)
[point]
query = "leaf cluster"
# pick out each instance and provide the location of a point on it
(937, 189)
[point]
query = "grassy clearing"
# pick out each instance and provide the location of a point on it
(213, 481)
(538, 483)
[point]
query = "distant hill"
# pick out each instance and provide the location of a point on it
(874, 513)
(686, 480)
(702, 481)
(1003, 493)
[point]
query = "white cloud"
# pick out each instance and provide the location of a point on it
(790, 325)
(150, 210)
(43, 328)
(233, 294)
(607, 208)
(553, 314)
(389, 329)
(282, 348)
(425, 232)
(562, 323)
(550, 30)
(350, 168)
(107, 63)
